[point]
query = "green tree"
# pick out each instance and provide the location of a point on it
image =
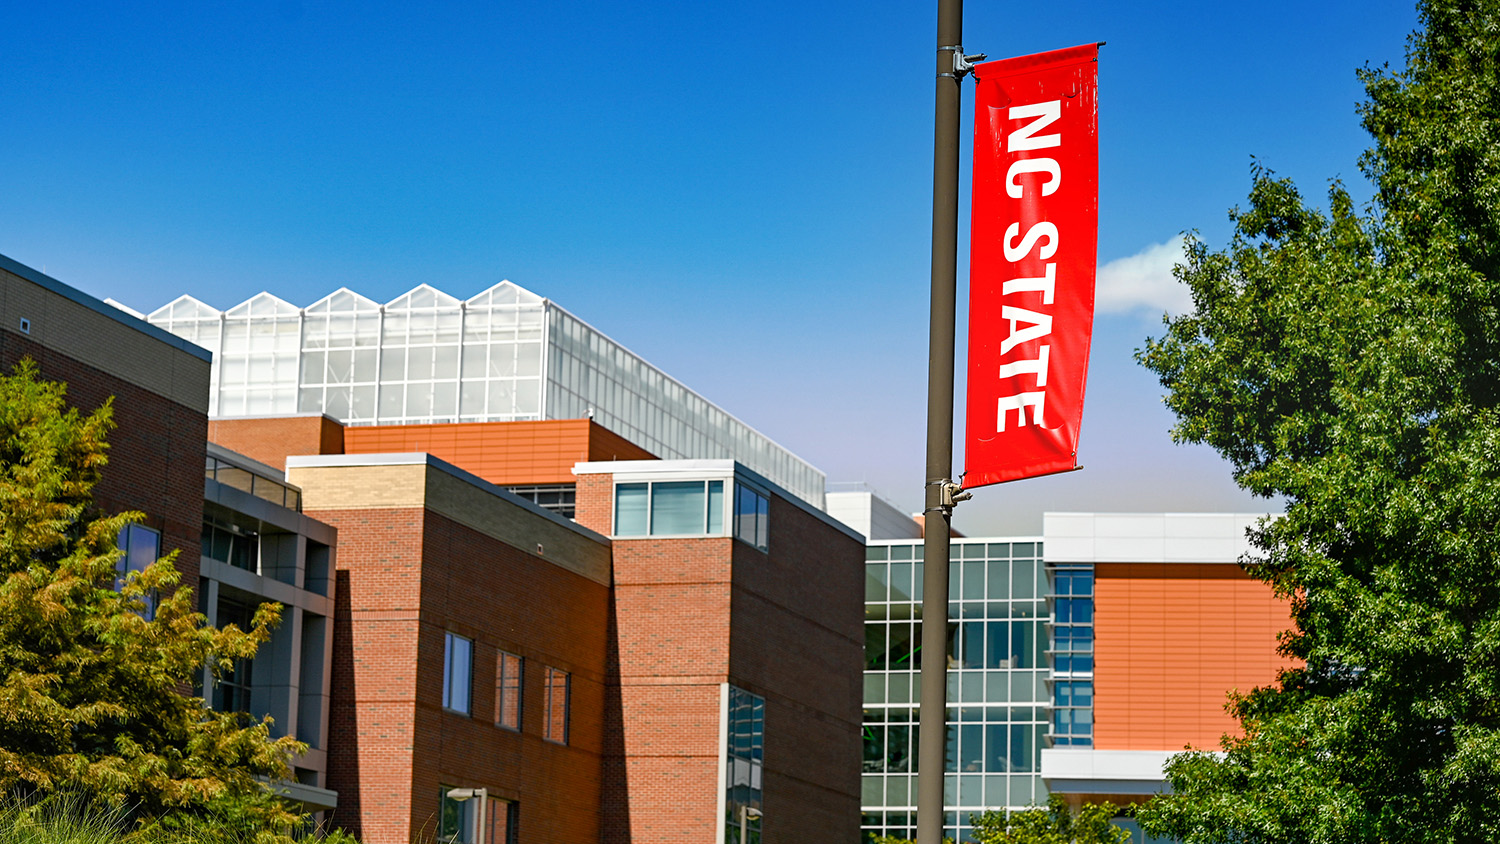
(1349, 361)
(92, 683)
(1052, 824)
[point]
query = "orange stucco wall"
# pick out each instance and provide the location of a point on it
(1171, 640)
(504, 453)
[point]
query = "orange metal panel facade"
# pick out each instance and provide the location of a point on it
(504, 453)
(1172, 640)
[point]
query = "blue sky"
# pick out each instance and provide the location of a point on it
(739, 192)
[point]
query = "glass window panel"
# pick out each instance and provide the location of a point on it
(998, 690)
(1023, 748)
(337, 403)
(419, 363)
(1024, 585)
(529, 397)
(471, 398)
(630, 509)
(998, 650)
(762, 522)
(973, 580)
(900, 686)
(457, 669)
(392, 364)
(875, 645)
(445, 400)
(310, 400)
(364, 402)
(901, 581)
(1021, 790)
(419, 400)
(528, 358)
(445, 362)
(312, 367)
(502, 398)
(999, 585)
(677, 507)
(715, 508)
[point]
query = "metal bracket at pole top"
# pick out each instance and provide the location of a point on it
(962, 65)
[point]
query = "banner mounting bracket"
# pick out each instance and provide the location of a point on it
(962, 65)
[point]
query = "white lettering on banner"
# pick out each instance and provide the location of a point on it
(1041, 236)
(1036, 367)
(1043, 285)
(1032, 165)
(1026, 137)
(1033, 234)
(1040, 325)
(1019, 404)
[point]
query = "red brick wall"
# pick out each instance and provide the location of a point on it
(406, 578)
(1171, 639)
(798, 639)
(272, 441)
(156, 451)
(594, 503)
(691, 614)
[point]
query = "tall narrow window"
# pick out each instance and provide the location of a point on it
(556, 726)
(751, 517)
(141, 547)
(743, 760)
(233, 686)
(458, 668)
(508, 691)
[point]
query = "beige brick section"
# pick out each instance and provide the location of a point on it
(360, 487)
(417, 485)
(102, 342)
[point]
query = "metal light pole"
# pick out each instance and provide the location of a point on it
(941, 493)
(746, 813)
(461, 794)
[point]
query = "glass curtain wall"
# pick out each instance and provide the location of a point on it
(998, 695)
(589, 374)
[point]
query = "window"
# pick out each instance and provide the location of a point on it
(232, 689)
(670, 508)
(751, 522)
(458, 668)
(555, 728)
(743, 759)
(141, 547)
(508, 691)
(457, 819)
(559, 498)
(234, 546)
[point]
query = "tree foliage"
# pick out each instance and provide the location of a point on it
(92, 690)
(1052, 824)
(1349, 360)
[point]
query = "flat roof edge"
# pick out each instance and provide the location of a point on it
(101, 307)
(418, 458)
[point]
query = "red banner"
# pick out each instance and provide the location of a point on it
(1033, 248)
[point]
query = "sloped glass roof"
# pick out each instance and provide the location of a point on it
(344, 300)
(505, 293)
(184, 307)
(263, 304)
(421, 297)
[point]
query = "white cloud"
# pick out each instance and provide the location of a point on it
(1143, 281)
